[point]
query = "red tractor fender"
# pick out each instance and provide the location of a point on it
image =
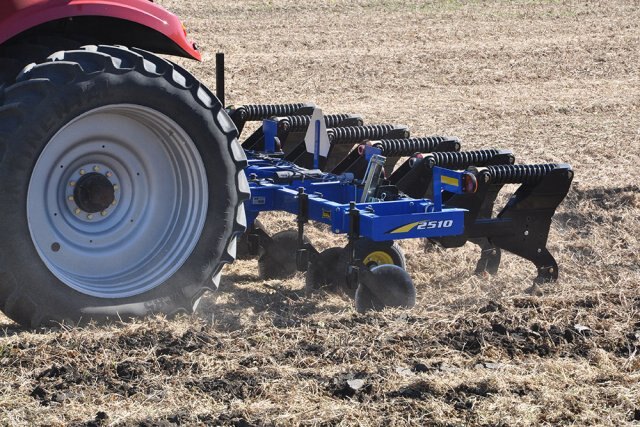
(168, 35)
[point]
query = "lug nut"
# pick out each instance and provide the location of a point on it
(116, 187)
(90, 216)
(70, 198)
(72, 184)
(96, 168)
(103, 213)
(82, 171)
(109, 174)
(78, 211)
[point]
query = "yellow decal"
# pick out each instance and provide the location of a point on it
(450, 181)
(326, 214)
(406, 228)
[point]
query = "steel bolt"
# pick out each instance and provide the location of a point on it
(109, 174)
(72, 184)
(96, 168)
(113, 203)
(90, 216)
(70, 198)
(539, 250)
(115, 187)
(526, 233)
(78, 211)
(103, 213)
(82, 171)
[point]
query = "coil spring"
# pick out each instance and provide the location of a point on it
(264, 111)
(356, 134)
(463, 159)
(519, 174)
(299, 123)
(409, 146)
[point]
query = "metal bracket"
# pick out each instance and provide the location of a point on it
(302, 255)
(372, 177)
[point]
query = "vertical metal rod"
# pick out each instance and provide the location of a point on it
(316, 147)
(220, 77)
(354, 230)
(303, 214)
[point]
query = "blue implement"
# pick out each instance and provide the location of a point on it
(276, 185)
(439, 193)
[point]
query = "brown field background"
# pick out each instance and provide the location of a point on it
(555, 81)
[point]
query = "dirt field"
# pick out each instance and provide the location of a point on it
(551, 80)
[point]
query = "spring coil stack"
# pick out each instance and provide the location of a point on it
(463, 159)
(519, 174)
(300, 123)
(357, 134)
(410, 146)
(260, 112)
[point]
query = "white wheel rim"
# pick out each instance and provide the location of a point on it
(160, 201)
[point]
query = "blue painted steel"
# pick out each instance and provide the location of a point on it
(370, 151)
(330, 197)
(270, 130)
(447, 180)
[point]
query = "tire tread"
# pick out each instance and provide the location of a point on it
(74, 66)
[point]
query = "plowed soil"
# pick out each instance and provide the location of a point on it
(555, 81)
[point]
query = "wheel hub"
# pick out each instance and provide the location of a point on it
(377, 258)
(94, 193)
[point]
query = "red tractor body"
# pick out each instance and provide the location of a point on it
(100, 19)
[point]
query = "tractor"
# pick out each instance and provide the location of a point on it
(126, 184)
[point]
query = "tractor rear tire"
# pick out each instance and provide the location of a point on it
(121, 189)
(15, 55)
